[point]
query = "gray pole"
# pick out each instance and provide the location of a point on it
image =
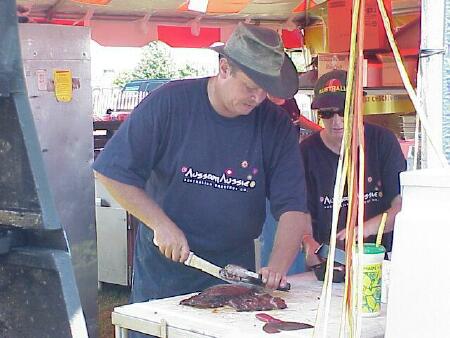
(38, 293)
(431, 89)
(446, 82)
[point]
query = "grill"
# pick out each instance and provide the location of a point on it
(39, 297)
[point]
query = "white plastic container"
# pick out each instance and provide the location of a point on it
(386, 277)
(419, 290)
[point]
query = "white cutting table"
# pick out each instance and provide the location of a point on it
(166, 318)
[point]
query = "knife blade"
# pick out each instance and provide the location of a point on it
(339, 254)
(199, 263)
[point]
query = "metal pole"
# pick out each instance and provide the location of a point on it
(446, 82)
(430, 78)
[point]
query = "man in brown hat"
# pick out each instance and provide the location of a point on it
(195, 162)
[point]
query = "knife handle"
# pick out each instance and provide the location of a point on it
(286, 288)
(258, 281)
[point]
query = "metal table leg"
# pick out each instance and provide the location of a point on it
(120, 332)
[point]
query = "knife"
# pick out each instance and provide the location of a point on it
(231, 273)
(339, 254)
(202, 264)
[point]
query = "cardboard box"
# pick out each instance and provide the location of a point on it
(374, 73)
(390, 76)
(374, 32)
(330, 61)
(388, 121)
(339, 25)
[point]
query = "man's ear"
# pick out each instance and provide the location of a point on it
(224, 68)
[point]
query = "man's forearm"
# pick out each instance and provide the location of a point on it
(135, 201)
(169, 239)
(293, 225)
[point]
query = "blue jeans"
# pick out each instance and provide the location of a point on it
(155, 276)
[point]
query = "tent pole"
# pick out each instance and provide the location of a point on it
(430, 84)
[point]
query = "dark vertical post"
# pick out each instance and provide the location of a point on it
(38, 293)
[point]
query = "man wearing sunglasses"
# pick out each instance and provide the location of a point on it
(383, 163)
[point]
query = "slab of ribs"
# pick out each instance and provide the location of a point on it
(241, 298)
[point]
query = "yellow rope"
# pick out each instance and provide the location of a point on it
(409, 88)
(347, 319)
(361, 185)
(341, 175)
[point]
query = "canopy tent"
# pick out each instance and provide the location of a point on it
(135, 23)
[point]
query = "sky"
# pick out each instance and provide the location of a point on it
(107, 62)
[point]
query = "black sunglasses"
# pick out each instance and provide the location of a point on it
(328, 114)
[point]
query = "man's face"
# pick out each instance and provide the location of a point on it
(333, 122)
(240, 95)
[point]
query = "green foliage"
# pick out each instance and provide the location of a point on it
(156, 63)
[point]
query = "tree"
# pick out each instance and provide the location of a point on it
(156, 63)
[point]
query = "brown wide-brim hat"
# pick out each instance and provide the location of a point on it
(259, 53)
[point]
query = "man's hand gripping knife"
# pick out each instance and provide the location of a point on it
(171, 242)
(310, 247)
(291, 228)
(169, 239)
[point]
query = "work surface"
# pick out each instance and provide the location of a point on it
(183, 321)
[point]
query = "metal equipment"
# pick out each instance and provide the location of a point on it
(38, 292)
(115, 229)
(64, 130)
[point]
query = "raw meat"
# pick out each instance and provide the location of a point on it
(261, 302)
(241, 298)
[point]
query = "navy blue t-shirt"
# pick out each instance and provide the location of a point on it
(210, 174)
(384, 161)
